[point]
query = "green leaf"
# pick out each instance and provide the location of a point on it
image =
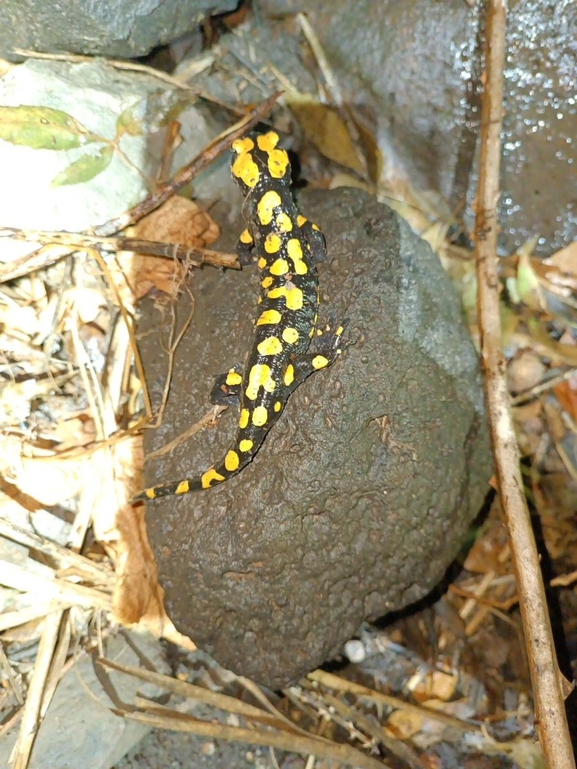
(528, 286)
(128, 122)
(85, 168)
(43, 128)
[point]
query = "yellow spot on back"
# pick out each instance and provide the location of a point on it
(270, 346)
(319, 361)
(278, 162)
(211, 475)
(267, 282)
(245, 445)
(277, 158)
(290, 335)
(279, 267)
(259, 376)
(233, 377)
(182, 487)
(301, 220)
(272, 243)
(150, 493)
(339, 331)
(243, 145)
(245, 237)
(277, 406)
(292, 294)
(261, 264)
(289, 374)
(266, 205)
(315, 227)
(269, 316)
(294, 249)
(295, 252)
(231, 461)
(268, 141)
(284, 223)
(243, 419)
(259, 416)
(245, 169)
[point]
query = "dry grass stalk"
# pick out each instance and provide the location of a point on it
(546, 676)
(33, 704)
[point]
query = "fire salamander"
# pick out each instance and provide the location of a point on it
(287, 248)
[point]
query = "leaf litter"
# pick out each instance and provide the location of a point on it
(436, 687)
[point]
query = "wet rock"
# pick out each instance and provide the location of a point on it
(107, 28)
(362, 493)
(412, 71)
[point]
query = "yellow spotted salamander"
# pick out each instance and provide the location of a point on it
(287, 248)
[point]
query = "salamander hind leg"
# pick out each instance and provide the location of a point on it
(226, 388)
(329, 342)
(315, 239)
(327, 349)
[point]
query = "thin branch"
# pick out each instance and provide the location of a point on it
(31, 708)
(546, 676)
(188, 172)
(80, 241)
(293, 743)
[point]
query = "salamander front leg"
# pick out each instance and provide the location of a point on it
(244, 249)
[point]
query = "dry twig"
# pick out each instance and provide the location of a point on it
(285, 735)
(545, 673)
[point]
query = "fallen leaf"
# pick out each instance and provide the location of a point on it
(178, 221)
(325, 128)
(566, 394)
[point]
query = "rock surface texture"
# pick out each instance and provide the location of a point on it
(362, 493)
(107, 28)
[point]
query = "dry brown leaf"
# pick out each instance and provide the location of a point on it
(152, 272)
(565, 261)
(120, 527)
(566, 394)
(178, 221)
(324, 127)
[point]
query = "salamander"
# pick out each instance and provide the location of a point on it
(287, 248)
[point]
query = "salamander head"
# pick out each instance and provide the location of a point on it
(258, 162)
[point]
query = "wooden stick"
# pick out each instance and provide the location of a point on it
(546, 677)
(31, 709)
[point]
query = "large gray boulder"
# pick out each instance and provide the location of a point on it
(361, 494)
